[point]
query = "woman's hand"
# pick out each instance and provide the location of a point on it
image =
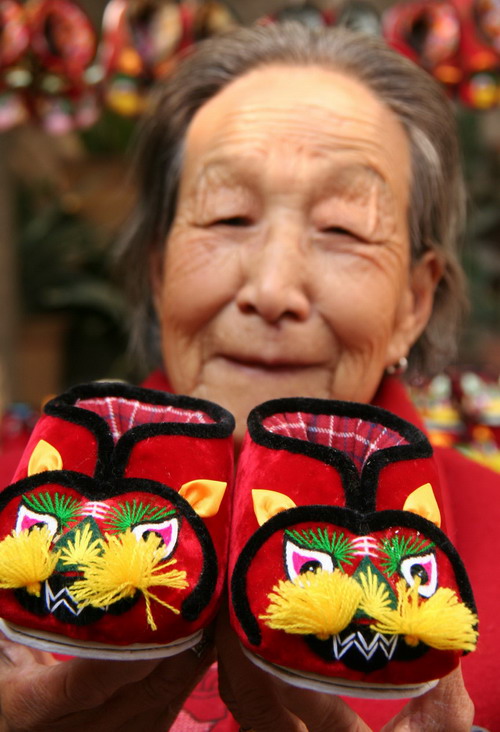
(446, 708)
(38, 693)
(262, 703)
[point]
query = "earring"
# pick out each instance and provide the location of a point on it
(398, 368)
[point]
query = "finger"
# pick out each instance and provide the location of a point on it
(252, 701)
(14, 654)
(319, 711)
(246, 690)
(168, 687)
(153, 703)
(446, 708)
(38, 696)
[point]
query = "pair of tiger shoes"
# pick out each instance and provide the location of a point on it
(122, 523)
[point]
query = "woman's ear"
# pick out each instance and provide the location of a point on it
(416, 306)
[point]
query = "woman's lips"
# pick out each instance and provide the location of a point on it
(271, 366)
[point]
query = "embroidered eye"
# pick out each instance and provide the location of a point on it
(167, 531)
(27, 519)
(425, 568)
(311, 549)
(54, 510)
(299, 561)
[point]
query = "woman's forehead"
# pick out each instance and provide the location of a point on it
(308, 114)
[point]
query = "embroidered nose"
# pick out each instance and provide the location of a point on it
(366, 567)
(365, 546)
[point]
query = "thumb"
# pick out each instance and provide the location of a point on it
(445, 707)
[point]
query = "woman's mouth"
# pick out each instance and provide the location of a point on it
(269, 366)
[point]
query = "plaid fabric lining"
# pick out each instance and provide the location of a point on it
(123, 414)
(356, 437)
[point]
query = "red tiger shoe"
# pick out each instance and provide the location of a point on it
(341, 579)
(113, 537)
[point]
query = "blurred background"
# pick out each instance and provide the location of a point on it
(74, 78)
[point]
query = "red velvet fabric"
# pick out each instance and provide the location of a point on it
(113, 461)
(395, 468)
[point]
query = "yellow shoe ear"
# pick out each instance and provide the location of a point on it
(44, 457)
(423, 502)
(205, 496)
(267, 504)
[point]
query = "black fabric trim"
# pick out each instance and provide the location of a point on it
(112, 459)
(360, 491)
(358, 523)
(88, 487)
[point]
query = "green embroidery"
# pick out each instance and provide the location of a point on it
(64, 508)
(338, 546)
(397, 548)
(129, 514)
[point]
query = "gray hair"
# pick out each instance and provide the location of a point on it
(437, 199)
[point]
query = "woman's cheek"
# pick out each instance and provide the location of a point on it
(199, 278)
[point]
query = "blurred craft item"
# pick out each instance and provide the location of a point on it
(458, 41)
(50, 71)
(14, 74)
(301, 12)
(439, 410)
(360, 16)
(480, 401)
(63, 46)
(142, 40)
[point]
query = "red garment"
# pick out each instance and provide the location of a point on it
(472, 497)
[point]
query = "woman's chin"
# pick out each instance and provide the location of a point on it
(241, 387)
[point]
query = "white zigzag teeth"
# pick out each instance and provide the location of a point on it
(62, 598)
(387, 644)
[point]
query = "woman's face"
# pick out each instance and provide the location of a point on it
(287, 269)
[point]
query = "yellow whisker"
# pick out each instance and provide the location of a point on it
(320, 603)
(26, 559)
(126, 566)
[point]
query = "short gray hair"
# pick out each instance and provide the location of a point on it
(437, 198)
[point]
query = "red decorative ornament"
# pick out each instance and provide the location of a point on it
(63, 44)
(457, 41)
(14, 76)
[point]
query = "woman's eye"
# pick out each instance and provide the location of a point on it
(340, 231)
(424, 568)
(300, 561)
(238, 221)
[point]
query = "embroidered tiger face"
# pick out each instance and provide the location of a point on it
(79, 551)
(358, 590)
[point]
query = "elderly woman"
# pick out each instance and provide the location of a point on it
(299, 207)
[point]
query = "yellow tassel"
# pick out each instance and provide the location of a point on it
(321, 603)
(441, 621)
(83, 549)
(127, 565)
(26, 559)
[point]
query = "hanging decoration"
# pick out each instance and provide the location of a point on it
(63, 44)
(15, 77)
(57, 69)
(457, 41)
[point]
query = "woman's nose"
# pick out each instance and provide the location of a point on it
(275, 278)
